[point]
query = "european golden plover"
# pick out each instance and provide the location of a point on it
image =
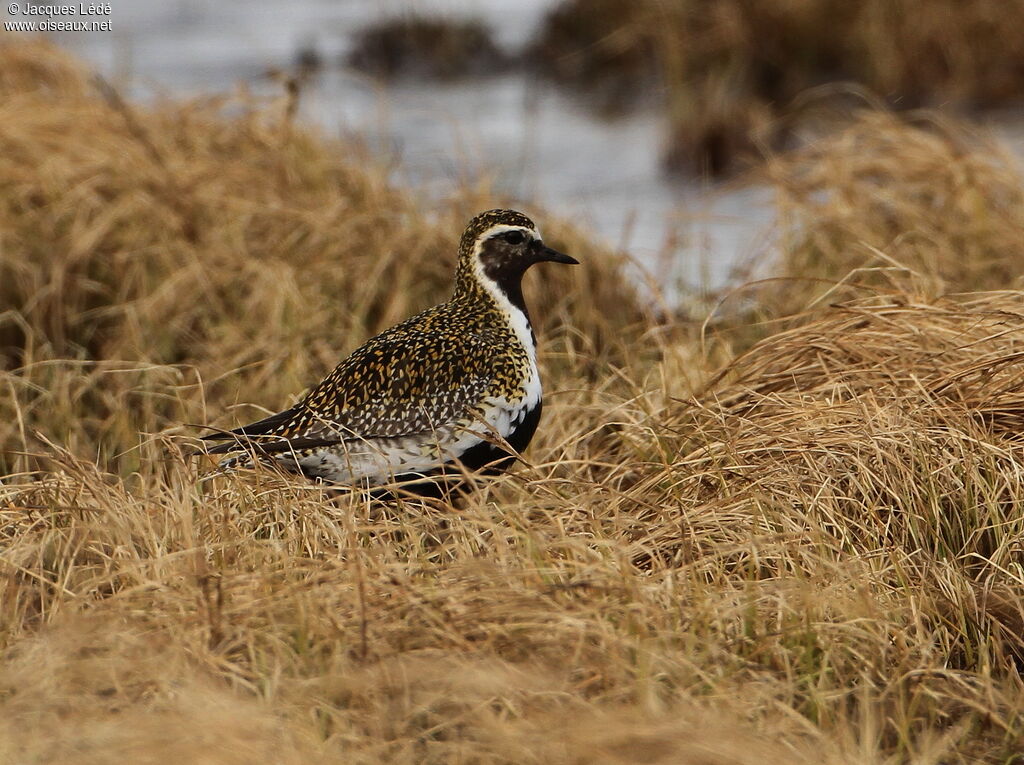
(445, 390)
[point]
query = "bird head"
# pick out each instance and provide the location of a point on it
(498, 246)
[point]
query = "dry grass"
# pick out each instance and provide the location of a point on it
(147, 255)
(811, 553)
(915, 198)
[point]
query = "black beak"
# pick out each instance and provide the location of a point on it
(546, 254)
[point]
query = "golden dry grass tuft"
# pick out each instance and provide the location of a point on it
(916, 193)
(794, 542)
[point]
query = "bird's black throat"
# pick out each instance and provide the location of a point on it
(508, 277)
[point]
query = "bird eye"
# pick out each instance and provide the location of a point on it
(514, 237)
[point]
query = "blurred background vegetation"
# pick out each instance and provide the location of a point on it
(647, 122)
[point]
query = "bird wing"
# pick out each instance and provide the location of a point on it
(406, 381)
(263, 432)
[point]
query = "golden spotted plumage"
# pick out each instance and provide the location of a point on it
(433, 390)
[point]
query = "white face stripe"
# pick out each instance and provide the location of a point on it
(516, 318)
(496, 292)
(501, 228)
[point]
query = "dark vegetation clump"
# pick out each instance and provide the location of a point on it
(428, 48)
(723, 70)
(603, 50)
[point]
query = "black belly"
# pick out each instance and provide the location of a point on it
(485, 458)
(492, 459)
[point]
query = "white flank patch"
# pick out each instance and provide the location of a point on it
(379, 460)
